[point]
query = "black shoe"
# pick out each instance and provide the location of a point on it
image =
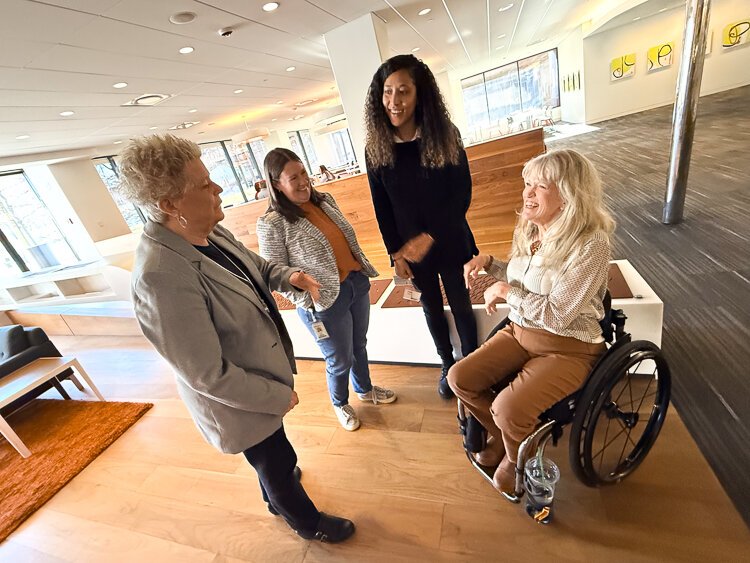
(444, 390)
(298, 475)
(331, 529)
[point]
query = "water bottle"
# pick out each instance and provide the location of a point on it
(539, 479)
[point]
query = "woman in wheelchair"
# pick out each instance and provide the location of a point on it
(556, 281)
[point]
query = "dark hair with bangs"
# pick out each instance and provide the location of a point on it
(273, 166)
(441, 141)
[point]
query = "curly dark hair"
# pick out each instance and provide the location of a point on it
(441, 141)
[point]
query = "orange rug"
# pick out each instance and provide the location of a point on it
(64, 437)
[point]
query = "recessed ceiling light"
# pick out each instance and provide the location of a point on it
(636, 19)
(147, 100)
(117, 142)
(22, 137)
(424, 12)
(663, 10)
(500, 47)
(274, 119)
(501, 36)
(119, 85)
(66, 113)
(212, 123)
(280, 102)
(415, 49)
(238, 91)
(270, 6)
(296, 117)
(504, 8)
(154, 127)
(186, 50)
(290, 68)
(181, 18)
(192, 110)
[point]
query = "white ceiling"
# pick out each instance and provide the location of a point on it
(65, 55)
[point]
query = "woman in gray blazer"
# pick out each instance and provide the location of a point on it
(305, 229)
(204, 301)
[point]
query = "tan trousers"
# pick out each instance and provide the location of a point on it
(537, 369)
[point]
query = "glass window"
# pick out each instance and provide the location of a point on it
(222, 172)
(307, 144)
(296, 143)
(342, 148)
(539, 80)
(259, 150)
(29, 227)
(109, 174)
(475, 103)
(503, 93)
(8, 268)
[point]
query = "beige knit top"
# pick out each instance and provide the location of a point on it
(565, 300)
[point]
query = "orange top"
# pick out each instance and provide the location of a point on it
(345, 260)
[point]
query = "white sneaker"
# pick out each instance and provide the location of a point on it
(378, 395)
(347, 417)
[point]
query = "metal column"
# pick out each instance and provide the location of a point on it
(686, 107)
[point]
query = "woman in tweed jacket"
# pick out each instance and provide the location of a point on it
(306, 229)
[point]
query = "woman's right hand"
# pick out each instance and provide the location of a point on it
(474, 266)
(293, 402)
(402, 268)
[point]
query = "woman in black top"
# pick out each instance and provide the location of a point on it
(421, 190)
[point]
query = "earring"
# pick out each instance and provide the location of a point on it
(181, 220)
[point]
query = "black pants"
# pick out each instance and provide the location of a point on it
(274, 460)
(426, 281)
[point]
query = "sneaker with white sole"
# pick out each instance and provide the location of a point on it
(378, 395)
(347, 417)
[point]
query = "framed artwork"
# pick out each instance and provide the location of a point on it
(622, 67)
(660, 56)
(735, 34)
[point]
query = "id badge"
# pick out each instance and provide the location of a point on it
(411, 294)
(320, 330)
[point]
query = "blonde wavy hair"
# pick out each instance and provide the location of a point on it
(441, 142)
(583, 213)
(152, 168)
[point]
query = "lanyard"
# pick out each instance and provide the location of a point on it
(243, 277)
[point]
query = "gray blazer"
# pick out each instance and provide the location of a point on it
(302, 245)
(233, 367)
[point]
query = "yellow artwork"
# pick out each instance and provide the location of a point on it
(622, 67)
(660, 56)
(737, 33)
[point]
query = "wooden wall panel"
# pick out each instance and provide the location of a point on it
(496, 175)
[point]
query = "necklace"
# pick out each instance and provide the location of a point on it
(535, 246)
(242, 275)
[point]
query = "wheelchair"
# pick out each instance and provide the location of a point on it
(616, 415)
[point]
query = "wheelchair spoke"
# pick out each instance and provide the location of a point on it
(606, 445)
(645, 394)
(601, 460)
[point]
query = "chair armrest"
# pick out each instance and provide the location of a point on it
(36, 335)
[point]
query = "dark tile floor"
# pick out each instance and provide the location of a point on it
(700, 268)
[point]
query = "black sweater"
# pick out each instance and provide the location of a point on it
(410, 199)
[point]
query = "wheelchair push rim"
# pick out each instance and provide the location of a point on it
(620, 414)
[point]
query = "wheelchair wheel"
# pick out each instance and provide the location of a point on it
(620, 413)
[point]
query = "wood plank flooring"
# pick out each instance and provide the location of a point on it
(160, 493)
(700, 268)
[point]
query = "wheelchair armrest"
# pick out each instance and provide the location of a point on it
(500, 326)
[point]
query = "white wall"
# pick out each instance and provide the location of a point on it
(570, 61)
(723, 69)
(90, 199)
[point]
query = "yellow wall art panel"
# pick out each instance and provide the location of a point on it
(622, 67)
(737, 33)
(660, 56)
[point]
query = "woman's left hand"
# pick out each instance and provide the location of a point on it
(305, 282)
(495, 294)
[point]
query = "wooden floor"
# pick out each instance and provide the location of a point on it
(161, 494)
(699, 268)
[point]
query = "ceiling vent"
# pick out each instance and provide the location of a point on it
(147, 100)
(184, 125)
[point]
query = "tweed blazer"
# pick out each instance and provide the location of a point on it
(233, 366)
(302, 245)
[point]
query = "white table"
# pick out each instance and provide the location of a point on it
(29, 378)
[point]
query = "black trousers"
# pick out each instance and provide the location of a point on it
(427, 282)
(274, 460)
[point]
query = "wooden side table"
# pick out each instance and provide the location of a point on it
(29, 378)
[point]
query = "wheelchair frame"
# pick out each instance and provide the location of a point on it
(595, 392)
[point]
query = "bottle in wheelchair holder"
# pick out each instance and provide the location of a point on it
(540, 478)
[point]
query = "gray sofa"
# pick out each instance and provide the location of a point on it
(20, 346)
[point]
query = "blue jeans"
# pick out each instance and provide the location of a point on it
(345, 350)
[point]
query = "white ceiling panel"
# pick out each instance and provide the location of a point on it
(18, 53)
(22, 19)
(61, 100)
